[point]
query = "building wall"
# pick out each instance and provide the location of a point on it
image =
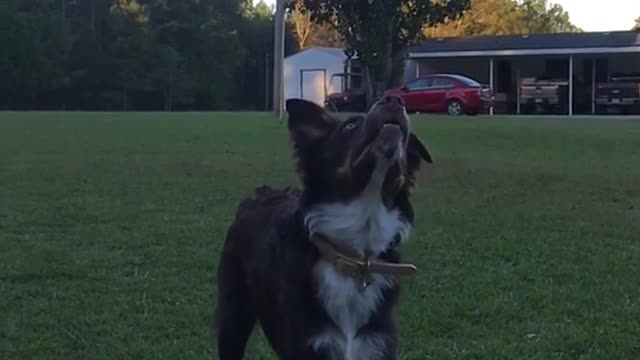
(314, 83)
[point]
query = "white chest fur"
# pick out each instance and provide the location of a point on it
(364, 225)
(349, 309)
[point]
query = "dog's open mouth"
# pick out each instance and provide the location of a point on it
(391, 123)
(383, 145)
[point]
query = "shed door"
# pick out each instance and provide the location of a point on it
(313, 85)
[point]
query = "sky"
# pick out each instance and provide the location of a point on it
(593, 15)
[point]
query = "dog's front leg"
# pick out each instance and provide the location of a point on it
(373, 346)
(377, 340)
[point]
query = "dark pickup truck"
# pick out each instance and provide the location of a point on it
(621, 93)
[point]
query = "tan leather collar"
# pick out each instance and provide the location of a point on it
(357, 266)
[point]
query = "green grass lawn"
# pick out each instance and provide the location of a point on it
(527, 235)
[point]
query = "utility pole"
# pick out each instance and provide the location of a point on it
(267, 61)
(278, 60)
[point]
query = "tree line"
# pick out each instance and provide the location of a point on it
(135, 54)
(217, 54)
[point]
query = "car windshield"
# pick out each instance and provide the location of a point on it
(466, 80)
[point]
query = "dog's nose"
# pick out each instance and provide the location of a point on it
(392, 100)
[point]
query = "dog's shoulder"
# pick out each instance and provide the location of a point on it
(261, 216)
(269, 195)
(268, 234)
(269, 201)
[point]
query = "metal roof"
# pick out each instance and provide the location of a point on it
(559, 43)
(337, 52)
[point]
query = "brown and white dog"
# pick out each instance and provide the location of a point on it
(318, 267)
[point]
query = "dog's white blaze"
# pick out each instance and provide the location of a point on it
(363, 224)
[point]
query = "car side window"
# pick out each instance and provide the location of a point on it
(419, 85)
(442, 83)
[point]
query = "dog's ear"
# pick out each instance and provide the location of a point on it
(308, 122)
(416, 150)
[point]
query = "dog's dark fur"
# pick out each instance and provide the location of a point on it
(357, 176)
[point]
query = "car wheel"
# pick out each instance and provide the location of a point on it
(454, 108)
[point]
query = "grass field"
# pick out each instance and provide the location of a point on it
(527, 234)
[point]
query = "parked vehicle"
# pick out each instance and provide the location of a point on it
(451, 93)
(621, 92)
(543, 95)
(350, 98)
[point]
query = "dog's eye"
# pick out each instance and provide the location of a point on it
(350, 126)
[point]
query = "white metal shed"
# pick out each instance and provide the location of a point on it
(307, 74)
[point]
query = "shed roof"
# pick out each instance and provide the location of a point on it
(337, 52)
(542, 44)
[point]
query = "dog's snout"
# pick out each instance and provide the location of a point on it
(392, 100)
(388, 111)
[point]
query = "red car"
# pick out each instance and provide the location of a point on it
(455, 94)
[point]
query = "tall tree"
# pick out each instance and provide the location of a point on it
(325, 35)
(12, 41)
(309, 33)
(379, 31)
(300, 21)
(637, 26)
(253, 83)
(129, 49)
(35, 53)
(540, 16)
(505, 17)
(484, 17)
(205, 36)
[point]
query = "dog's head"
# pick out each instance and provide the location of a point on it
(338, 159)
